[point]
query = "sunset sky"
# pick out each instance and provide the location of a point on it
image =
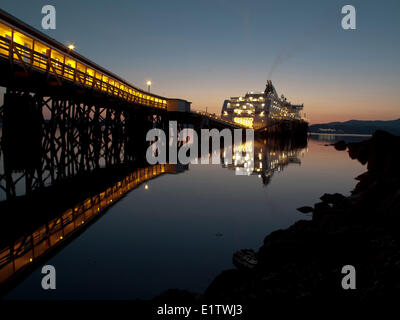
(206, 51)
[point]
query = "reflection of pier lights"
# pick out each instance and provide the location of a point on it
(18, 256)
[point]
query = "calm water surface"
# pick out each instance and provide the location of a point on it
(181, 231)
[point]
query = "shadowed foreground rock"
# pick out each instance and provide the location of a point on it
(304, 262)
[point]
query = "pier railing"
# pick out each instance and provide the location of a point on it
(25, 49)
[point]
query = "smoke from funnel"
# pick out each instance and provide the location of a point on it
(302, 42)
(282, 57)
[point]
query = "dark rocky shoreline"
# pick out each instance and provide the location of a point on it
(304, 262)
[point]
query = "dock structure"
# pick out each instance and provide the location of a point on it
(64, 114)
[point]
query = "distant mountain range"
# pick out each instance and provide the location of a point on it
(357, 127)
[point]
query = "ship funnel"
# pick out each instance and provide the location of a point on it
(269, 88)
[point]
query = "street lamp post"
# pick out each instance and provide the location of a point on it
(148, 85)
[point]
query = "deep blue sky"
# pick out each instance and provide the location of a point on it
(206, 51)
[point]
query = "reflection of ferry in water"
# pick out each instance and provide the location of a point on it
(22, 253)
(269, 156)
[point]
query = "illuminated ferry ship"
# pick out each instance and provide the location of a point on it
(254, 110)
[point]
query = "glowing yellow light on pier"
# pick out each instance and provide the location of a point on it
(71, 47)
(146, 187)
